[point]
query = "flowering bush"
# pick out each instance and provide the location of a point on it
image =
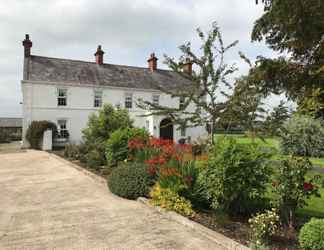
(263, 226)
(291, 188)
(170, 200)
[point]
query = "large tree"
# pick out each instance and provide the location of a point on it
(209, 88)
(294, 28)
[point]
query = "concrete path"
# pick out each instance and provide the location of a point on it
(47, 204)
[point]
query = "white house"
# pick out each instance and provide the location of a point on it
(67, 91)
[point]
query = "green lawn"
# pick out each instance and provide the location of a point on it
(267, 142)
(315, 205)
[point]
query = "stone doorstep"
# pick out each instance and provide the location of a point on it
(220, 239)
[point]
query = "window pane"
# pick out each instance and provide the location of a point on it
(156, 99)
(128, 101)
(62, 96)
(98, 99)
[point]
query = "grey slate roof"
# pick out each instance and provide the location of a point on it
(10, 122)
(89, 73)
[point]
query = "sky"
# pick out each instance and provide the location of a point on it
(128, 30)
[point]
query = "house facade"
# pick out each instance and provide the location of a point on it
(67, 91)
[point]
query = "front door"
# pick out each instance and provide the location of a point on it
(166, 129)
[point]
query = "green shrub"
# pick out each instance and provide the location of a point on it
(36, 130)
(311, 236)
(236, 177)
(263, 226)
(303, 136)
(168, 199)
(94, 159)
(100, 126)
(291, 189)
(130, 181)
(117, 145)
(72, 151)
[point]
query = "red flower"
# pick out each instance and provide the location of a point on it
(308, 186)
(156, 161)
(151, 170)
(136, 143)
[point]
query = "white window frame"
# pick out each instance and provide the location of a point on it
(156, 99)
(128, 100)
(65, 130)
(97, 99)
(62, 98)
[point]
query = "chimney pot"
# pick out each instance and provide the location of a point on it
(152, 62)
(187, 66)
(99, 55)
(27, 43)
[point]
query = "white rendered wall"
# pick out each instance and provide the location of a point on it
(40, 103)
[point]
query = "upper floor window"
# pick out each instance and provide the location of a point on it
(181, 102)
(62, 128)
(97, 98)
(128, 100)
(156, 99)
(62, 97)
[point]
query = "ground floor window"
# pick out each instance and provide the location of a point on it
(62, 128)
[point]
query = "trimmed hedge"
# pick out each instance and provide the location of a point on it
(311, 236)
(130, 181)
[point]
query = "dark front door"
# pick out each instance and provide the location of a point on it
(166, 129)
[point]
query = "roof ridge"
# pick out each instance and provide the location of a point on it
(81, 61)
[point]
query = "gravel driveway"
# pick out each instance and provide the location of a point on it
(47, 204)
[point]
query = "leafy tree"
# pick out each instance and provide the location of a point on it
(297, 29)
(276, 119)
(99, 129)
(208, 87)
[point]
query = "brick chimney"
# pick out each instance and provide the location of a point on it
(27, 45)
(152, 62)
(187, 66)
(99, 55)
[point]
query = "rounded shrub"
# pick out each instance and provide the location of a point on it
(117, 145)
(302, 136)
(130, 181)
(311, 236)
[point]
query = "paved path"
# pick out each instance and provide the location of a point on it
(47, 204)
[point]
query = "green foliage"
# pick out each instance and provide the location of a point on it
(117, 145)
(275, 120)
(291, 189)
(236, 176)
(71, 151)
(99, 129)
(130, 181)
(311, 236)
(93, 159)
(263, 226)
(36, 130)
(294, 27)
(303, 136)
(170, 200)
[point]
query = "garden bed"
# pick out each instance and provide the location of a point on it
(238, 229)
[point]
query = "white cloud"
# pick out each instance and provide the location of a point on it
(128, 30)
